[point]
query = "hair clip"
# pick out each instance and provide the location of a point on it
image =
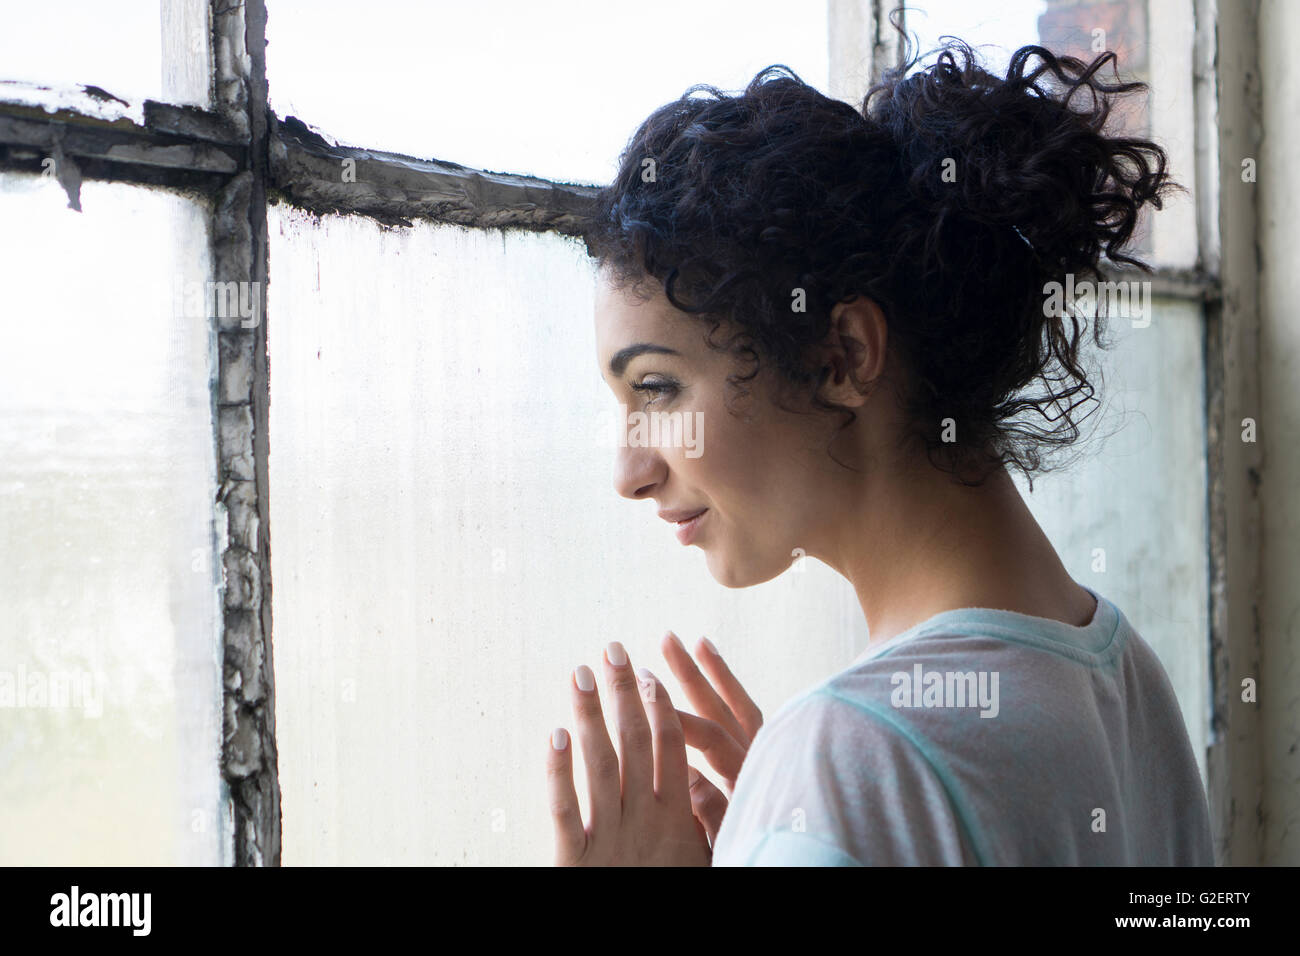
(1024, 240)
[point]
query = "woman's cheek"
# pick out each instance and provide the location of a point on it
(719, 452)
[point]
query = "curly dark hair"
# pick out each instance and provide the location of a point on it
(749, 198)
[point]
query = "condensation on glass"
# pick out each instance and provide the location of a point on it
(449, 544)
(550, 90)
(110, 713)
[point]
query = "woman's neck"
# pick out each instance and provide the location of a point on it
(921, 543)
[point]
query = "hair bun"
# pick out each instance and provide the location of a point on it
(1021, 152)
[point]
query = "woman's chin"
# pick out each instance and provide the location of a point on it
(732, 575)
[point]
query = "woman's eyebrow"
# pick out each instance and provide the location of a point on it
(624, 355)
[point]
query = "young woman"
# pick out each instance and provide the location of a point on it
(855, 304)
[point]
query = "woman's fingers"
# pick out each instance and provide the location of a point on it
(707, 803)
(698, 689)
(603, 784)
(570, 836)
(670, 783)
(704, 835)
(635, 785)
(745, 710)
(720, 749)
(635, 743)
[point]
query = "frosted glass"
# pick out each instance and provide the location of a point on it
(552, 88)
(106, 537)
(448, 543)
(137, 50)
(1129, 519)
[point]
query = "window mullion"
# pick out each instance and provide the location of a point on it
(239, 255)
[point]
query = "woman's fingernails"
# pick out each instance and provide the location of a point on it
(709, 644)
(676, 640)
(615, 654)
(584, 678)
(559, 738)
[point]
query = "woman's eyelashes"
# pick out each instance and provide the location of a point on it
(659, 388)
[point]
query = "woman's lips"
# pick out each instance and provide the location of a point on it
(686, 529)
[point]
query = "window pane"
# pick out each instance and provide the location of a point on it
(110, 675)
(995, 29)
(449, 544)
(526, 86)
(133, 50)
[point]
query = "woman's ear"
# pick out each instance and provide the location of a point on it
(853, 353)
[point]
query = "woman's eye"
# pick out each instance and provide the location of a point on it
(655, 388)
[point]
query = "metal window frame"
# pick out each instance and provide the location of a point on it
(240, 156)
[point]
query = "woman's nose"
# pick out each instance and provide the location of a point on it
(638, 471)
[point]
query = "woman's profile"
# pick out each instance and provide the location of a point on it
(853, 304)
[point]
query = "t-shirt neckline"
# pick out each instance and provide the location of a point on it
(1091, 639)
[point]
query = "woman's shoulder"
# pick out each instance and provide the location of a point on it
(973, 676)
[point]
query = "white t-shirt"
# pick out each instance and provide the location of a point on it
(978, 737)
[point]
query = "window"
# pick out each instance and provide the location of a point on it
(551, 96)
(300, 449)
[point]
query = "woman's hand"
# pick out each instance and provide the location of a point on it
(727, 722)
(640, 804)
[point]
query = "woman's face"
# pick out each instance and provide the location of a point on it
(760, 475)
